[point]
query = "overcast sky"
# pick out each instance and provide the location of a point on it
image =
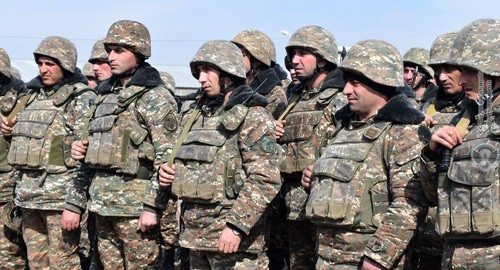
(179, 27)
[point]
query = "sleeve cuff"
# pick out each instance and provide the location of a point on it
(73, 208)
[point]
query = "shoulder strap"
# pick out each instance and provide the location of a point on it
(88, 116)
(463, 123)
(292, 104)
(18, 108)
(196, 113)
(431, 110)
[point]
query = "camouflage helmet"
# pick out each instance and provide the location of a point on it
(98, 52)
(168, 80)
(4, 63)
(419, 57)
(258, 44)
(131, 35)
(376, 60)
(316, 39)
(59, 48)
(14, 72)
(222, 54)
(441, 49)
(477, 46)
(88, 70)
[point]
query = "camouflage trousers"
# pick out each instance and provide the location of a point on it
(12, 247)
(302, 244)
(240, 260)
(122, 246)
(48, 245)
(169, 231)
(471, 254)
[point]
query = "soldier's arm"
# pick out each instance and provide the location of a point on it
(408, 204)
(259, 153)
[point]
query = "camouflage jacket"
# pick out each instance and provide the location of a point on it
(466, 192)
(71, 98)
(258, 179)
(446, 108)
(366, 182)
(114, 192)
(9, 94)
(309, 125)
(269, 85)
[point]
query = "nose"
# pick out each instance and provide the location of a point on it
(347, 89)
(202, 77)
(408, 75)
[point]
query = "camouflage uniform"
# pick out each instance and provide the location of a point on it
(40, 149)
(428, 245)
(419, 57)
(466, 189)
(12, 248)
(142, 117)
(365, 195)
(308, 126)
(227, 167)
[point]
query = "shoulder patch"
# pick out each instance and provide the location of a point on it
(170, 122)
(268, 145)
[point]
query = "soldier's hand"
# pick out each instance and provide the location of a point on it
(429, 121)
(229, 241)
(447, 136)
(79, 149)
(70, 220)
(280, 129)
(369, 264)
(307, 177)
(147, 221)
(166, 175)
(5, 127)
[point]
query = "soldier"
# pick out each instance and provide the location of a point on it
(460, 165)
(12, 248)
(88, 72)
(226, 171)
(51, 119)
(131, 125)
(258, 51)
(439, 111)
(418, 75)
(365, 196)
(99, 60)
(293, 75)
(306, 127)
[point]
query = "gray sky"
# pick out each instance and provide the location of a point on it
(178, 28)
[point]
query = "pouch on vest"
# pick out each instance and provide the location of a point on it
(4, 149)
(300, 126)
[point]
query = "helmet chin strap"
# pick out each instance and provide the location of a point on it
(316, 71)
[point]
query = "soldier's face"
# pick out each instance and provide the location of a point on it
(50, 72)
(408, 76)
(304, 62)
(362, 99)
(121, 60)
(102, 70)
(468, 80)
(209, 80)
(448, 77)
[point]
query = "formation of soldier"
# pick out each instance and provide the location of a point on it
(369, 160)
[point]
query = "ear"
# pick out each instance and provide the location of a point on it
(227, 81)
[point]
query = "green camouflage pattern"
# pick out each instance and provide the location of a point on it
(420, 57)
(122, 246)
(222, 54)
(49, 246)
(131, 35)
(168, 80)
(59, 48)
(88, 71)
(246, 208)
(12, 247)
(236, 261)
(44, 177)
(5, 67)
(317, 39)
(377, 60)
(441, 49)
(98, 52)
(277, 101)
(382, 186)
(258, 44)
(477, 46)
(471, 255)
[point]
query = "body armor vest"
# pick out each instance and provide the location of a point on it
(300, 128)
(208, 164)
(469, 194)
(351, 186)
(117, 141)
(41, 139)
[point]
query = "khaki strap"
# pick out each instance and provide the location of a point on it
(463, 123)
(196, 113)
(290, 106)
(17, 109)
(431, 110)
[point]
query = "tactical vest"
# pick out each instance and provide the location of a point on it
(41, 139)
(350, 186)
(469, 195)
(208, 165)
(117, 140)
(301, 124)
